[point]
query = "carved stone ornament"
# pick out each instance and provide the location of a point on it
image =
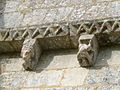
(87, 36)
(31, 52)
(88, 50)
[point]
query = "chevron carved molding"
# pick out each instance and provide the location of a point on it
(89, 36)
(71, 29)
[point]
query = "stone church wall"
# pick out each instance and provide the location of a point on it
(58, 69)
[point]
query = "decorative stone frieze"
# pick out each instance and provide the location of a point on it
(88, 34)
(61, 29)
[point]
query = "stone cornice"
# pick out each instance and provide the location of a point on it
(87, 36)
(61, 29)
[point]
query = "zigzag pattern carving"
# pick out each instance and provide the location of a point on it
(72, 29)
(95, 27)
(36, 32)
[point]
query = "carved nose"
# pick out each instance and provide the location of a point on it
(24, 57)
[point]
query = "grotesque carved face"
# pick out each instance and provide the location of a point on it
(26, 54)
(26, 51)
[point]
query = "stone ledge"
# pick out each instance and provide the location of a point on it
(85, 87)
(64, 36)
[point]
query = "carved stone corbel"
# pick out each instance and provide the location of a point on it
(31, 52)
(88, 50)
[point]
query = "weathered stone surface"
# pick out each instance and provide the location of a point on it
(96, 12)
(98, 87)
(44, 78)
(9, 58)
(77, 13)
(104, 0)
(103, 75)
(11, 63)
(69, 88)
(114, 11)
(35, 17)
(109, 87)
(12, 19)
(88, 50)
(103, 10)
(57, 43)
(1, 20)
(74, 77)
(14, 46)
(31, 53)
(13, 79)
(12, 66)
(9, 89)
(52, 4)
(56, 11)
(11, 5)
(108, 56)
(59, 59)
(58, 15)
(67, 75)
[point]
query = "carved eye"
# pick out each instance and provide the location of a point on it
(27, 53)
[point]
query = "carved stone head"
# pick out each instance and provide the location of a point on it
(27, 50)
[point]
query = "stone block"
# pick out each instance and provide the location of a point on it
(10, 89)
(10, 20)
(35, 18)
(50, 3)
(58, 15)
(61, 41)
(11, 5)
(103, 75)
(11, 67)
(31, 89)
(69, 88)
(104, 0)
(12, 80)
(64, 3)
(43, 78)
(1, 20)
(11, 63)
(9, 58)
(26, 6)
(113, 9)
(81, 2)
(97, 11)
(77, 13)
(103, 10)
(109, 87)
(74, 77)
(59, 59)
(108, 56)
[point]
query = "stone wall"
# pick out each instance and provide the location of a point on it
(59, 69)
(19, 13)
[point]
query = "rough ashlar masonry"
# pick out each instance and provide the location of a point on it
(58, 26)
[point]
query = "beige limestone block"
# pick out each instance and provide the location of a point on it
(59, 59)
(43, 78)
(108, 56)
(74, 77)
